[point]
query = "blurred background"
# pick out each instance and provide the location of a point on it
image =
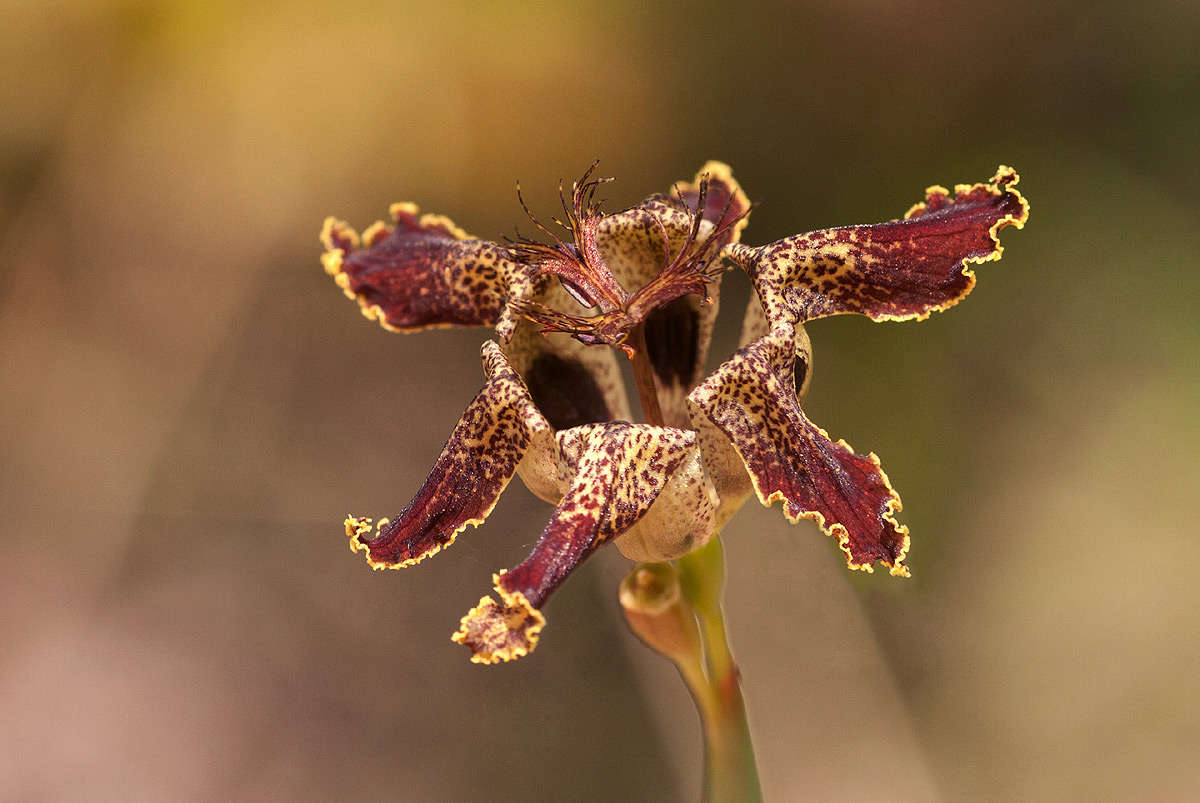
(190, 406)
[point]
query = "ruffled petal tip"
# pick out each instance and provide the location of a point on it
(504, 631)
(900, 270)
(421, 271)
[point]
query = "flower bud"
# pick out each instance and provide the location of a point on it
(654, 606)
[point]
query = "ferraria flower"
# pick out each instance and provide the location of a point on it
(553, 408)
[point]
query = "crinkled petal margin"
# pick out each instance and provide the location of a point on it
(618, 470)
(504, 631)
(495, 432)
(896, 271)
(422, 271)
(752, 399)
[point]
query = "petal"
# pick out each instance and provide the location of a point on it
(571, 384)
(754, 326)
(725, 466)
(896, 271)
(681, 520)
(423, 272)
(496, 432)
(617, 472)
(501, 631)
(632, 244)
(752, 399)
(678, 333)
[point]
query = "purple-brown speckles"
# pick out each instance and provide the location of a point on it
(900, 270)
(657, 491)
(473, 469)
(422, 272)
(752, 398)
(609, 466)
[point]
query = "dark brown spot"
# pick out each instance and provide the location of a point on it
(672, 335)
(800, 372)
(565, 392)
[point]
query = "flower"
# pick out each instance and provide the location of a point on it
(553, 408)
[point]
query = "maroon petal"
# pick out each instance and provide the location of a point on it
(422, 272)
(896, 271)
(752, 399)
(618, 471)
(497, 430)
(722, 461)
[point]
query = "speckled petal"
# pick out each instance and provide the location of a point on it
(571, 384)
(896, 271)
(752, 399)
(499, 429)
(500, 631)
(722, 461)
(681, 520)
(677, 334)
(422, 271)
(617, 472)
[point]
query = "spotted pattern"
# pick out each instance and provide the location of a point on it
(722, 461)
(495, 433)
(555, 410)
(616, 472)
(500, 631)
(678, 334)
(752, 399)
(604, 397)
(897, 271)
(422, 271)
(681, 520)
(571, 383)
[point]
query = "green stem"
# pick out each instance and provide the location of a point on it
(730, 769)
(731, 772)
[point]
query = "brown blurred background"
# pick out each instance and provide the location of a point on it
(190, 406)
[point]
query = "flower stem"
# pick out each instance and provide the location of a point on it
(731, 772)
(712, 675)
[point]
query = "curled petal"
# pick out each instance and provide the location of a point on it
(494, 435)
(632, 241)
(725, 468)
(617, 472)
(896, 271)
(422, 271)
(572, 384)
(501, 631)
(755, 325)
(752, 399)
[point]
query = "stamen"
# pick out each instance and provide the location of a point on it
(578, 265)
(580, 269)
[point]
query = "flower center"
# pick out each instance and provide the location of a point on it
(578, 264)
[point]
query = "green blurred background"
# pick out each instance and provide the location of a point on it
(190, 406)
